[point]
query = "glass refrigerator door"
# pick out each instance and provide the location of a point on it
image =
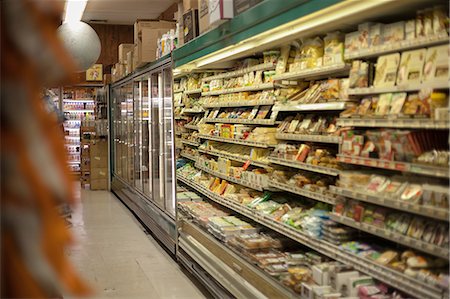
(123, 142)
(145, 131)
(157, 167)
(169, 167)
(137, 95)
(130, 133)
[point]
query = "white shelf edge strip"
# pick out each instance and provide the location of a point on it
(304, 166)
(427, 211)
(396, 165)
(312, 138)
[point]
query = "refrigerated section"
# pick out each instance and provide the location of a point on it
(142, 141)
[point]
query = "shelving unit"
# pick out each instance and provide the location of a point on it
(235, 141)
(315, 73)
(320, 111)
(428, 211)
(233, 157)
(190, 157)
(406, 123)
(304, 166)
(263, 86)
(229, 178)
(395, 165)
(312, 138)
(398, 280)
(393, 236)
(193, 143)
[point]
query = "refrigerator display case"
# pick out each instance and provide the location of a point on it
(143, 170)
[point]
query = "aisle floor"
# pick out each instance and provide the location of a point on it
(116, 256)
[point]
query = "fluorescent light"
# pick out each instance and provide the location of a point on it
(74, 10)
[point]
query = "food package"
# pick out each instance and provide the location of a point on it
(364, 38)
(334, 48)
(397, 102)
(386, 70)
(436, 64)
(411, 66)
(393, 33)
(410, 29)
(376, 35)
(440, 20)
(352, 43)
(283, 59)
(384, 104)
(311, 53)
(359, 74)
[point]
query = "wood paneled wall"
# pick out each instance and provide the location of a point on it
(111, 36)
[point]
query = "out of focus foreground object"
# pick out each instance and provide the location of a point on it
(35, 179)
(82, 42)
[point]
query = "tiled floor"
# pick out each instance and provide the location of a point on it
(118, 258)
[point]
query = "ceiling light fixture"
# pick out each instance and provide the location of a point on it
(74, 10)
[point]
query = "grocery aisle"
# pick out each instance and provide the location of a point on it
(118, 258)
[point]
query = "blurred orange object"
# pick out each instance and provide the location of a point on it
(35, 178)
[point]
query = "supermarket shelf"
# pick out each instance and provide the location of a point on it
(304, 166)
(178, 90)
(263, 86)
(303, 192)
(394, 278)
(239, 104)
(190, 157)
(393, 236)
(395, 165)
(399, 46)
(413, 123)
(238, 73)
(330, 106)
(73, 162)
(191, 110)
(268, 122)
(234, 158)
(175, 105)
(179, 117)
(192, 127)
(428, 211)
(311, 138)
(315, 73)
(229, 178)
(193, 143)
(193, 91)
(79, 110)
(236, 141)
(71, 129)
(77, 144)
(400, 88)
(71, 137)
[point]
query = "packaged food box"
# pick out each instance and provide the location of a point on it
(386, 70)
(411, 66)
(436, 64)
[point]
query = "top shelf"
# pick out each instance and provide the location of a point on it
(241, 72)
(321, 72)
(400, 88)
(400, 46)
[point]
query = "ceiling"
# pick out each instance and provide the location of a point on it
(124, 12)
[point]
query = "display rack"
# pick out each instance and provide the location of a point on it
(263, 86)
(407, 123)
(304, 166)
(312, 138)
(236, 141)
(247, 103)
(398, 280)
(233, 157)
(321, 72)
(329, 106)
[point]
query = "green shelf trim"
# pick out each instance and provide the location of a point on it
(264, 16)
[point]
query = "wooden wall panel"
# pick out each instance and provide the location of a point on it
(111, 36)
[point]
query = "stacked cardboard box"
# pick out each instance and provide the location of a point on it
(146, 34)
(99, 164)
(86, 132)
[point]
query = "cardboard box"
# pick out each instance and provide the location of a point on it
(130, 65)
(203, 16)
(99, 173)
(220, 11)
(190, 4)
(242, 5)
(99, 162)
(190, 25)
(99, 184)
(123, 50)
(135, 57)
(151, 24)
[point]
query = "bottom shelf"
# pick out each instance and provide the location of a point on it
(398, 280)
(239, 277)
